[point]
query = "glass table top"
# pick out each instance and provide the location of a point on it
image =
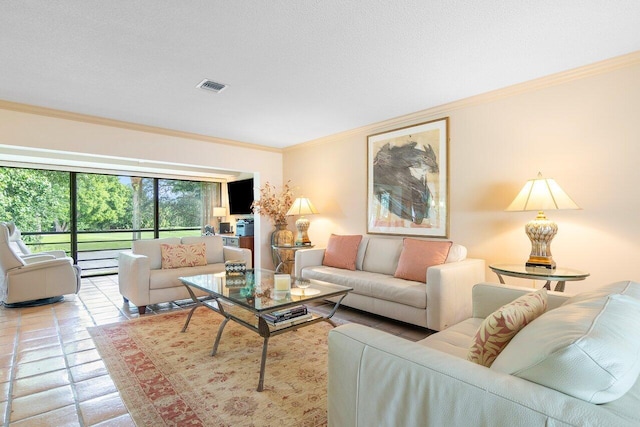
(557, 273)
(255, 289)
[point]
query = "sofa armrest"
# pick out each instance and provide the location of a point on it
(308, 258)
(449, 291)
(133, 277)
(375, 378)
(488, 297)
(32, 258)
(238, 254)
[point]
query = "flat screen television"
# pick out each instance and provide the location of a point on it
(240, 196)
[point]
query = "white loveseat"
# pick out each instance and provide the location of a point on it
(579, 365)
(445, 298)
(143, 281)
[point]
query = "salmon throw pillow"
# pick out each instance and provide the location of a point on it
(175, 256)
(502, 325)
(418, 255)
(342, 251)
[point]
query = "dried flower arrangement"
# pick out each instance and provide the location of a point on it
(272, 204)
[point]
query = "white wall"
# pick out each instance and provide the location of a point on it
(25, 129)
(580, 128)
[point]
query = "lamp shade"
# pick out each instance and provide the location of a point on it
(541, 194)
(302, 206)
(219, 211)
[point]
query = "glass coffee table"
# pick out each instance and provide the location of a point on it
(248, 298)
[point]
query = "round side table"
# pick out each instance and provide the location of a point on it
(285, 261)
(561, 275)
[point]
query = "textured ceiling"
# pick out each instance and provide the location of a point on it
(297, 70)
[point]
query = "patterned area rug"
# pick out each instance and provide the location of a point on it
(166, 377)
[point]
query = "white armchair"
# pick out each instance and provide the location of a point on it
(34, 280)
(22, 250)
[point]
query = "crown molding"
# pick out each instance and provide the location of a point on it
(583, 72)
(85, 118)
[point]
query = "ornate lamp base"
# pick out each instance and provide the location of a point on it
(541, 231)
(302, 238)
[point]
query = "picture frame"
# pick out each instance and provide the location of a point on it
(408, 180)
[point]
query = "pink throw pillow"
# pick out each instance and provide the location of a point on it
(418, 255)
(502, 325)
(175, 256)
(342, 251)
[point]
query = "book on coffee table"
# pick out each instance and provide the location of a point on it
(285, 314)
(290, 322)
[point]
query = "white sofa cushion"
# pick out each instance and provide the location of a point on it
(456, 253)
(382, 255)
(626, 287)
(375, 285)
(589, 349)
(151, 249)
(215, 247)
(455, 339)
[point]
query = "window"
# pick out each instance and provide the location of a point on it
(111, 211)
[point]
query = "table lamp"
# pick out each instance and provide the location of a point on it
(302, 206)
(541, 194)
(219, 212)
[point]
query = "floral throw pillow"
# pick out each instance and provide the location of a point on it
(175, 256)
(502, 325)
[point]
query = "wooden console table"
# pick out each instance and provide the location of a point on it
(239, 242)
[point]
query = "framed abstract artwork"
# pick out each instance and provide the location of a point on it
(408, 180)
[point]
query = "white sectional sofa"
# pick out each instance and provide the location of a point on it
(575, 365)
(444, 300)
(143, 281)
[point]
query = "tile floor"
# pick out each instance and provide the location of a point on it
(52, 375)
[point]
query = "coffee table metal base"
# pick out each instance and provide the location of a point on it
(263, 328)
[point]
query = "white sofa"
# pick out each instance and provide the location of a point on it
(143, 281)
(588, 347)
(444, 300)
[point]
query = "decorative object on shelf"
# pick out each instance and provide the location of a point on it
(302, 284)
(302, 206)
(208, 230)
(408, 180)
(275, 206)
(235, 268)
(541, 194)
(279, 238)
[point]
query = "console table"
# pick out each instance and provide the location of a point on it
(239, 242)
(561, 275)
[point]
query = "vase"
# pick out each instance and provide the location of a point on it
(281, 237)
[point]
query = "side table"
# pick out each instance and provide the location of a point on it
(285, 261)
(561, 275)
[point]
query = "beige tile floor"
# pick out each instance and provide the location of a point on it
(52, 375)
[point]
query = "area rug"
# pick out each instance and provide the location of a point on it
(166, 377)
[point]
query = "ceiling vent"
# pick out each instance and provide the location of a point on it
(212, 86)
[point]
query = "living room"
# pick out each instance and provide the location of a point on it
(574, 123)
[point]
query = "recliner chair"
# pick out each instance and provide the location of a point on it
(23, 251)
(34, 280)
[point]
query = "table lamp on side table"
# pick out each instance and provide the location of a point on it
(302, 206)
(220, 212)
(541, 194)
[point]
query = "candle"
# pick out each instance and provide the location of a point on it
(282, 282)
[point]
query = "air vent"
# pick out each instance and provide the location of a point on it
(211, 85)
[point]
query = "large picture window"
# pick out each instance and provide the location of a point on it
(110, 211)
